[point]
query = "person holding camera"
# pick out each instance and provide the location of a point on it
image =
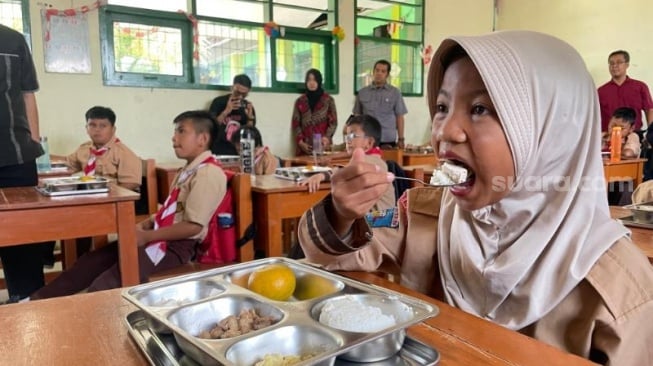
(230, 112)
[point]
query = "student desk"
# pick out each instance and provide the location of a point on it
(643, 238)
(624, 169)
(419, 158)
(27, 216)
(89, 329)
(276, 199)
(325, 159)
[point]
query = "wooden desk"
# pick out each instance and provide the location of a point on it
(643, 238)
(26, 216)
(328, 159)
(418, 158)
(89, 329)
(629, 168)
(276, 199)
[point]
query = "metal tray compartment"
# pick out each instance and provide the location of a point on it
(195, 318)
(297, 322)
(297, 340)
(642, 212)
(299, 173)
(162, 349)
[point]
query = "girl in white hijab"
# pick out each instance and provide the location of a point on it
(528, 241)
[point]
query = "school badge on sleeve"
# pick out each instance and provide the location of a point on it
(383, 218)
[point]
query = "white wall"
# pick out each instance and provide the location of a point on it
(594, 27)
(145, 115)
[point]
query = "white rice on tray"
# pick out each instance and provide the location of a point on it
(351, 315)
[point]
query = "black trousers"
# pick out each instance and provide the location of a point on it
(22, 264)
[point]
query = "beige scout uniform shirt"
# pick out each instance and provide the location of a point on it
(606, 318)
(119, 162)
(633, 143)
(200, 194)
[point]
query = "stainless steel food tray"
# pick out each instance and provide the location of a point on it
(162, 349)
(299, 173)
(45, 192)
(64, 186)
(228, 159)
(630, 221)
(185, 305)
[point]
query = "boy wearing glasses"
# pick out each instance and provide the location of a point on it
(105, 155)
(361, 132)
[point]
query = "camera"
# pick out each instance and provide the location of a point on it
(243, 103)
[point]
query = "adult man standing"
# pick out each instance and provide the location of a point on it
(384, 102)
(231, 111)
(19, 148)
(622, 91)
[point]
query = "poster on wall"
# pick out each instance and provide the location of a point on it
(66, 42)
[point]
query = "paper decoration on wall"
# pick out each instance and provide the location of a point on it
(65, 39)
(273, 30)
(394, 28)
(338, 33)
(426, 53)
(196, 37)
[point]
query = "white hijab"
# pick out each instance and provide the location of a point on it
(512, 262)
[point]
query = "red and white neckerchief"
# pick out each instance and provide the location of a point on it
(166, 215)
(374, 151)
(89, 169)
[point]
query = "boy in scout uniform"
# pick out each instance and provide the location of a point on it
(168, 238)
(105, 155)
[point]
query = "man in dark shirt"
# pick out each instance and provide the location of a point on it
(230, 112)
(19, 148)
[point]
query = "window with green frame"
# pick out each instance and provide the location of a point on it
(15, 14)
(392, 30)
(145, 43)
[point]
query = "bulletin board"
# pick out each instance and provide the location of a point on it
(66, 42)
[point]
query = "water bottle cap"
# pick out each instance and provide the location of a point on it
(44, 138)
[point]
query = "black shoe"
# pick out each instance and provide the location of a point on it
(12, 300)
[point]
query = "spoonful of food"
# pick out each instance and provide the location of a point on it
(445, 175)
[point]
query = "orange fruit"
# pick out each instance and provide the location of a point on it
(274, 281)
(311, 286)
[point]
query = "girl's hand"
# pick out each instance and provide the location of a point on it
(355, 189)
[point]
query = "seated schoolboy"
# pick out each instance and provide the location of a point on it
(264, 160)
(105, 155)
(620, 192)
(624, 117)
(364, 132)
(527, 242)
(167, 239)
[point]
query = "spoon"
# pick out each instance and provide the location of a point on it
(446, 175)
(429, 184)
